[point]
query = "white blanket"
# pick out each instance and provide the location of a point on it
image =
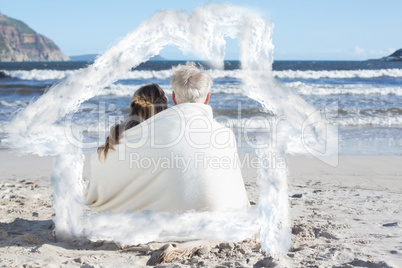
(179, 160)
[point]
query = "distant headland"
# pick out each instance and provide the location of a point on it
(18, 42)
(396, 56)
(92, 57)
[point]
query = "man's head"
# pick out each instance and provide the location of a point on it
(190, 84)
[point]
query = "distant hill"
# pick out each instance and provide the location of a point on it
(92, 57)
(156, 58)
(396, 56)
(86, 57)
(18, 42)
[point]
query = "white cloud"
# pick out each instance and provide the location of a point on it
(359, 51)
(383, 52)
(362, 53)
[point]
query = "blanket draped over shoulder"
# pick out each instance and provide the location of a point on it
(179, 160)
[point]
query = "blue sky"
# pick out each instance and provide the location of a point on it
(303, 30)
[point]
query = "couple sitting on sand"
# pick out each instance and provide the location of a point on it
(164, 159)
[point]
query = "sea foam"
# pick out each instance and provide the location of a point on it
(37, 130)
(42, 75)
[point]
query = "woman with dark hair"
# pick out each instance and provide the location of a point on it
(147, 101)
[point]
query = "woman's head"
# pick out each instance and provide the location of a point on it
(147, 101)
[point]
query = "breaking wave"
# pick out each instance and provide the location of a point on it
(42, 75)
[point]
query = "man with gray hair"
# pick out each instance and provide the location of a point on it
(218, 186)
(190, 84)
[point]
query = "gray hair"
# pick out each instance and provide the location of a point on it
(190, 84)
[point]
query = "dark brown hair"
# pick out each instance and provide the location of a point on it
(147, 101)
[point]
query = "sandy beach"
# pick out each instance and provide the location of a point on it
(318, 84)
(347, 216)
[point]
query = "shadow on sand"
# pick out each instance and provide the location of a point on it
(36, 233)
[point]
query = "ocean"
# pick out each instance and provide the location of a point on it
(367, 96)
